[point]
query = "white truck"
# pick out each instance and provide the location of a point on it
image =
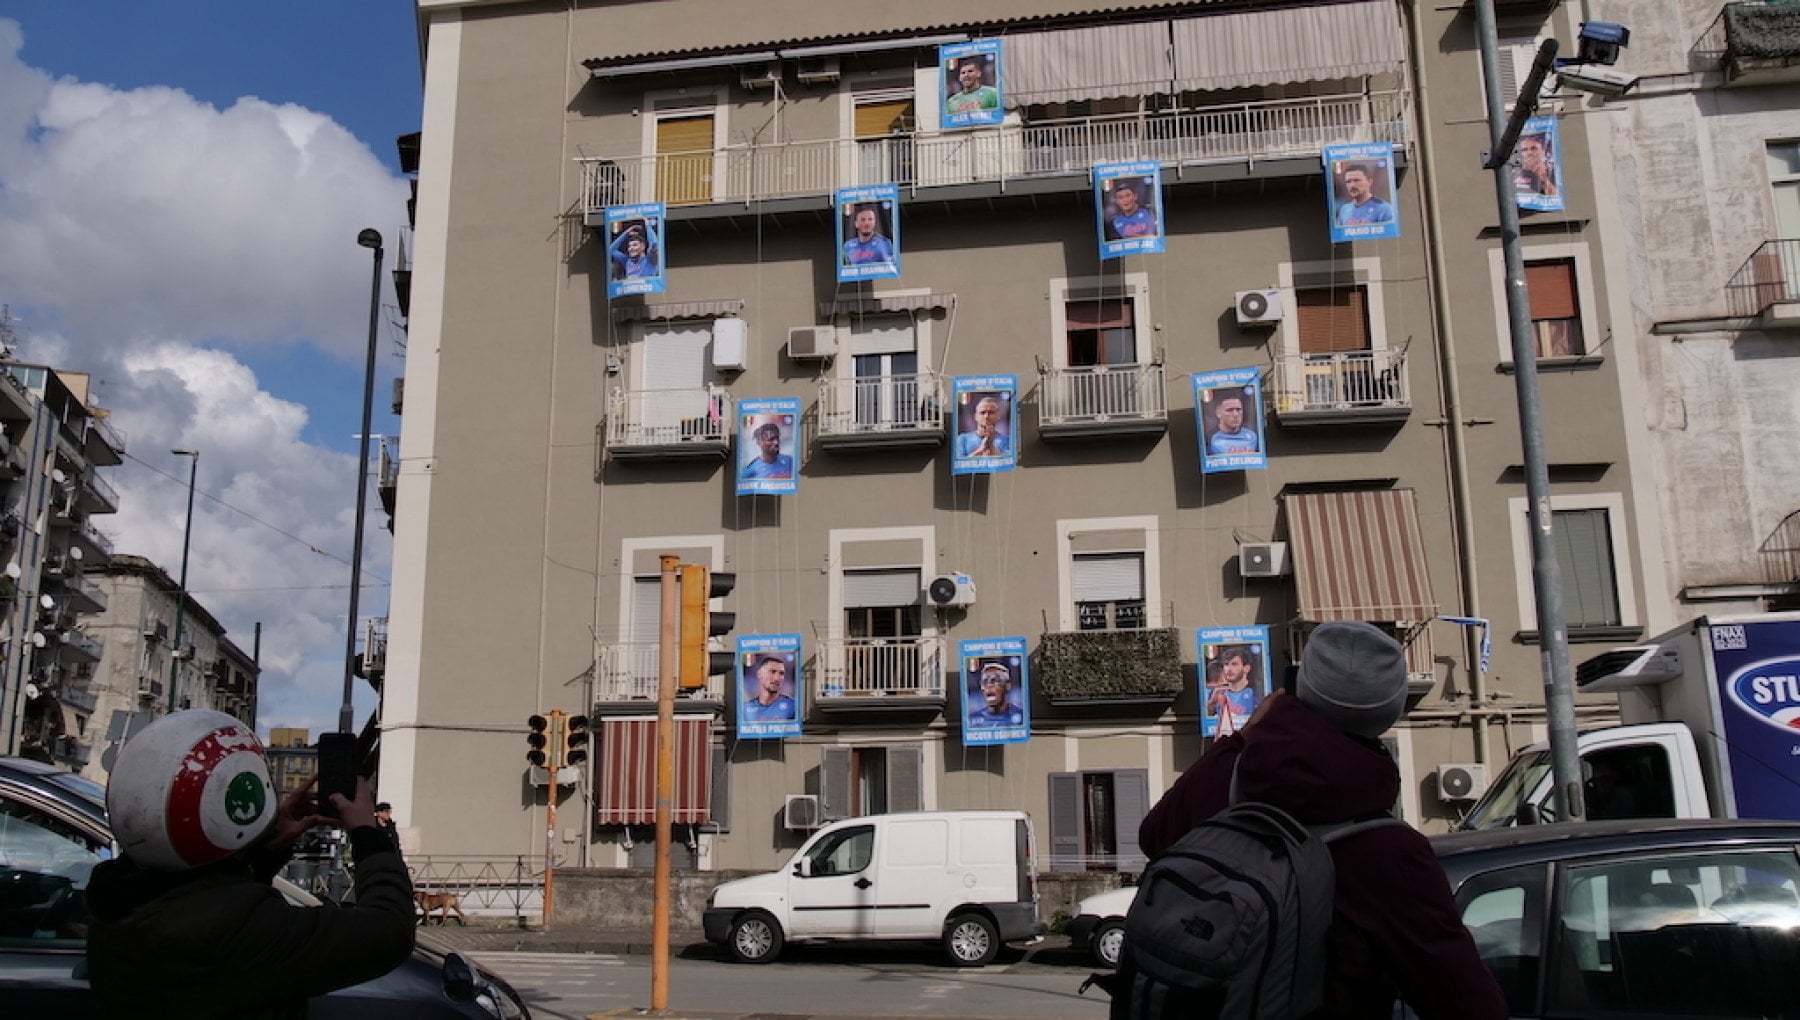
(1711, 715)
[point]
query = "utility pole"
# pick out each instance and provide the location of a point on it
(665, 785)
(555, 762)
(1546, 575)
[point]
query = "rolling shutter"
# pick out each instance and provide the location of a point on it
(1551, 287)
(905, 790)
(1065, 822)
(1109, 577)
(834, 782)
(867, 589)
(1332, 319)
(1131, 801)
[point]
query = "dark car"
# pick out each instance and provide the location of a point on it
(1638, 918)
(53, 831)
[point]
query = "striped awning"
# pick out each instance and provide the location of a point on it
(677, 310)
(627, 771)
(1359, 556)
(885, 303)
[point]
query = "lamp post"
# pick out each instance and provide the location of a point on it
(187, 534)
(371, 239)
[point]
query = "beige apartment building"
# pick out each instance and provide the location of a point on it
(556, 442)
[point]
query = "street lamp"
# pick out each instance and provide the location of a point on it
(371, 239)
(187, 533)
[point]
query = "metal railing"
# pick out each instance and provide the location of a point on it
(1341, 381)
(101, 489)
(78, 642)
(490, 886)
(1768, 277)
(668, 417)
(1722, 39)
(1226, 133)
(875, 667)
(109, 433)
(94, 537)
(1103, 393)
(628, 671)
(880, 404)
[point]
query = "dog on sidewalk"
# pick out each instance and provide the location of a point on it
(442, 904)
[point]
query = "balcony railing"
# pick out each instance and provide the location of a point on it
(98, 545)
(882, 410)
(1768, 278)
(1754, 43)
(86, 596)
(1103, 399)
(1230, 133)
(663, 422)
(1343, 385)
(77, 644)
(853, 670)
(629, 671)
(105, 443)
(97, 494)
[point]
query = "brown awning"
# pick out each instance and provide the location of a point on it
(884, 303)
(626, 793)
(1359, 556)
(677, 310)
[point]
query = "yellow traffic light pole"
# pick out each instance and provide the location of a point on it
(556, 753)
(665, 787)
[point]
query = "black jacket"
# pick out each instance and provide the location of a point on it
(220, 941)
(1396, 930)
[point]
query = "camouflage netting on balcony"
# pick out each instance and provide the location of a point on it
(1109, 665)
(1763, 32)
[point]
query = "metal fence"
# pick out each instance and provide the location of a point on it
(485, 886)
(1771, 275)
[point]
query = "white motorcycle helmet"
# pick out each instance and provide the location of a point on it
(190, 789)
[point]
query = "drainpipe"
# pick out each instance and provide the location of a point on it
(1461, 502)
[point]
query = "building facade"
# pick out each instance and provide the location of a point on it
(1009, 437)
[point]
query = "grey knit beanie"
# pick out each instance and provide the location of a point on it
(1354, 677)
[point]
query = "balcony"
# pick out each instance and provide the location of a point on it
(96, 548)
(1344, 386)
(1103, 400)
(17, 404)
(387, 476)
(97, 494)
(1247, 138)
(856, 674)
(1110, 667)
(77, 645)
(880, 411)
(667, 423)
(1766, 287)
(1753, 43)
(105, 444)
(84, 596)
(626, 678)
(371, 659)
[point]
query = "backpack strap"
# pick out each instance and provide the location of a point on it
(1336, 831)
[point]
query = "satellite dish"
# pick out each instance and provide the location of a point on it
(13, 571)
(46, 601)
(75, 552)
(38, 640)
(57, 476)
(31, 691)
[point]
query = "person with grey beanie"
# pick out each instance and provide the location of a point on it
(1396, 933)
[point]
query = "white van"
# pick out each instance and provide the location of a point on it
(964, 877)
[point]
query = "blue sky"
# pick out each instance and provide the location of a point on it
(181, 185)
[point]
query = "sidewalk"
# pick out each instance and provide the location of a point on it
(483, 935)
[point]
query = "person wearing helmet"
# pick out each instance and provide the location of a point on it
(185, 922)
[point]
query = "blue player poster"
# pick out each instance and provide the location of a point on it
(1234, 676)
(971, 83)
(634, 249)
(1128, 203)
(768, 686)
(1359, 190)
(1229, 416)
(868, 232)
(987, 424)
(767, 444)
(996, 693)
(1537, 175)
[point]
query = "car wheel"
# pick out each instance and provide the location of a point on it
(755, 937)
(971, 940)
(1107, 943)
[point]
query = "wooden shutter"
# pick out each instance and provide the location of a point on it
(1584, 554)
(834, 782)
(718, 813)
(1065, 821)
(684, 159)
(1551, 286)
(1131, 801)
(878, 120)
(905, 786)
(1332, 319)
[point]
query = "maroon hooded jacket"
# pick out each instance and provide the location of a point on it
(1396, 933)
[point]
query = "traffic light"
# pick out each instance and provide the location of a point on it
(698, 585)
(537, 739)
(575, 738)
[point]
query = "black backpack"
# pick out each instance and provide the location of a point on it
(1232, 920)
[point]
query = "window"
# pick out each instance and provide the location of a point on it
(1598, 591)
(844, 852)
(1100, 332)
(884, 359)
(1109, 591)
(1784, 185)
(883, 653)
(46, 865)
(1502, 910)
(1332, 319)
(1628, 782)
(1713, 934)
(1555, 309)
(882, 124)
(856, 780)
(1094, 819)
(686, 130)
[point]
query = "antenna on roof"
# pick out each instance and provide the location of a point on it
(7, 336)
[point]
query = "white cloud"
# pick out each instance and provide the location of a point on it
(157, 243)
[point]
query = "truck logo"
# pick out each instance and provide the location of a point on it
(1770, 692)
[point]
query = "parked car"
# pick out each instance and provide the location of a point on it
(1098, 927)
(1635, 918)
(53, 831)
(965, 878)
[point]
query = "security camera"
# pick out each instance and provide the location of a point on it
(1595, 78)
(1601, 42)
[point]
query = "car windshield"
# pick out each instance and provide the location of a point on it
(1500, 807)
(80, 786)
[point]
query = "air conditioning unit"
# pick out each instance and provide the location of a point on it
(802, 811)
(1258, 307)
(760, 76)
(1263, 559)
(1630, 666)
(1461, 781)
(814, 343)
(951, 590)
(149, 688)
(730, 337)
(813, 70)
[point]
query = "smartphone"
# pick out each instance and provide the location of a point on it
(337, 769)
